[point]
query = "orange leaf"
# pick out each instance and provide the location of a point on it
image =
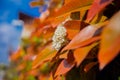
(50, 77)
(20, 67)
(16, 55)
(48, 33)
(64, 55)
(65, 11)
(81, 53)
(110, 41)
(64, 67)
(36, 3)
(33, 72)
(67, 1)
(45, 55)
(89, 66)
(45, 77)
(57, 20)
(60, 77)
(89, 41)
(45, 32)
(83, 35)
(71, 6)
(97, 6)
(73, 27)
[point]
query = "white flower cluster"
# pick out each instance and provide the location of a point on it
(59, 37)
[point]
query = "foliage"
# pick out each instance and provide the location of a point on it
(92, 38)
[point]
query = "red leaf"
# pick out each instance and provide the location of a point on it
(97, 6)
(63, 68)
(81, 53)
(83, 35)
(110, 41)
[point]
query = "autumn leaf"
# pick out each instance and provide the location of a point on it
(110, 41)
(89, 66)
(72, 6)
(83, 35)
(54, 21)
(81, 53)
(67, 1)
(60, 77)
(98, 18)
(50, 77)
(28, 56)
(63, 67)
(44, 55)
(41, 27)
(66, 64)
(37, 3)
(44, 77)
(21, 66)
(64, 55)
(73, 27)
(33, 72)
(16, 55)
(89, 41)
(97, 7)
(64, 12)
(48, 33)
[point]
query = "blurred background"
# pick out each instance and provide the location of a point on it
(15, 16)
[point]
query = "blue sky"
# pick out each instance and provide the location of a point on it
(9, 9)
(10, 33)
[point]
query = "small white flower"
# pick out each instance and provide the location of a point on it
(59, 37)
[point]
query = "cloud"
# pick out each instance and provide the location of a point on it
(17, 22)
(9, 39)
(10, 35)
